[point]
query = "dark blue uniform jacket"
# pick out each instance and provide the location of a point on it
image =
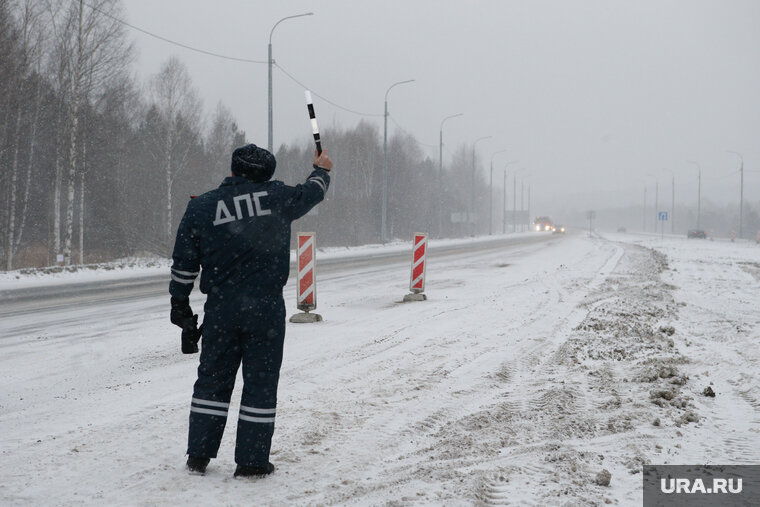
(239, 234)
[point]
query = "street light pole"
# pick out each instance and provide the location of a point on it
(528, 204)
(270, 141)
(645, 208)
(504, 199)
(504, 205)
(699, 191)
(383, 222)
(522, 202)
(490, 195)
(656, 199)
(672, 203)
(514, 202)
(440, 174)
(472, 187)
(741, 191)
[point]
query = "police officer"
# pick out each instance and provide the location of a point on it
(237, 237)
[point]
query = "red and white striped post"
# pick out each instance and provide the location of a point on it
(419, 262)
(306, 284)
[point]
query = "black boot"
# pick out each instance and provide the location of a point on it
(197, 464)
(246, 471)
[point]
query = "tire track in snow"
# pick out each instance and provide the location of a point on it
(418, 383)
(556, 413)
(446, 443)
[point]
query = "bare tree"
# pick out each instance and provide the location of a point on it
(222, 137)
(180, 111)
(93, 50)
(9, 42)
(30, 56)
(32, 49)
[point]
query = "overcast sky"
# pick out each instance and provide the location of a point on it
(596, 98)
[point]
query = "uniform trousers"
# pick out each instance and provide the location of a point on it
(251, 331)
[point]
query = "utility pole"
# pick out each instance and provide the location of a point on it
(672, 203)
(490, 195)
(440, 174)
(514, 202)
(384, 217)
(529, 200)
(645, 209)
(471, 214)
(741, 191)
(522, 203)
(699, 190)
(490, 202)
(656, 201)
(504, 205)
(699, 197)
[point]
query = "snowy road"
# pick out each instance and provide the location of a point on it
(529, 369)
(16, 301)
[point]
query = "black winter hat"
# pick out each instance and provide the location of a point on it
(254, 163)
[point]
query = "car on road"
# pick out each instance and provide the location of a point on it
(558, 229)
(541, 224)
(696, 233)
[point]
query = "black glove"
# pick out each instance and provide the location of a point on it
(191, 337)
(182, 315)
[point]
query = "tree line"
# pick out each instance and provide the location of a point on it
(95, 166)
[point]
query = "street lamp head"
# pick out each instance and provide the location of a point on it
(737, 154)
(449, 117)
(287, 17)
(496, 153)
(480, 139)
(396, 84)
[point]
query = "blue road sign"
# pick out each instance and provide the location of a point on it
(662, 216)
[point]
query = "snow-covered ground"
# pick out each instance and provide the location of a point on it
(526, 373)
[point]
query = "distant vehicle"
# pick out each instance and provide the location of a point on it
(542, 224)
(558, 229)
(696, 233)
(622, 229)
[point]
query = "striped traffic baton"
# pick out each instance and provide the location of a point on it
(313, 118)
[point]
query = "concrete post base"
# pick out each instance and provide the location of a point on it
(414, 297)
(305, 317)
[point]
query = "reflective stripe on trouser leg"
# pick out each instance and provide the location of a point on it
(207, 421)
(219, 362)
(262, 357)
(254, 436)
